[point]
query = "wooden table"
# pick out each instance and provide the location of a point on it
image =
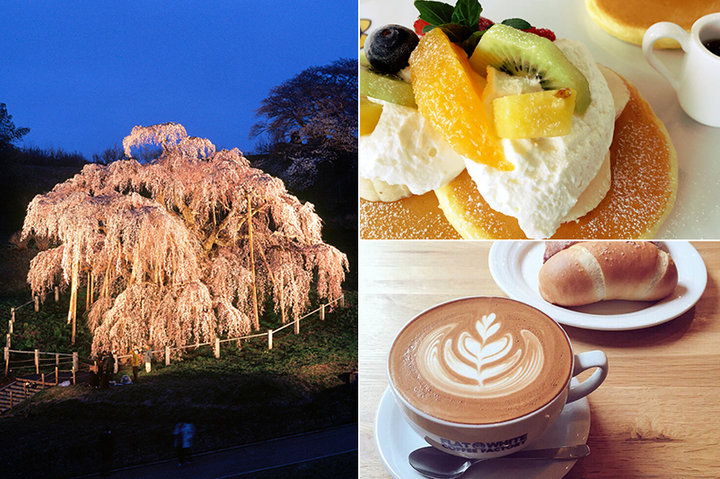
(657, 415)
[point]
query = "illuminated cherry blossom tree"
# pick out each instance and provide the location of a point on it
(180, 250)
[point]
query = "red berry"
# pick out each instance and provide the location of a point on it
(542, 32)
(485, 23)
(419, 25)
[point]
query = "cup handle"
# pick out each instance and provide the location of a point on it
(583, 361)
(655, 33)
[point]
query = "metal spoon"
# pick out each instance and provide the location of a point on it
(433, 463)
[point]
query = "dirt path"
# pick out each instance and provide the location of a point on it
(251, 458)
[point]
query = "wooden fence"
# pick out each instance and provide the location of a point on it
(38, 362)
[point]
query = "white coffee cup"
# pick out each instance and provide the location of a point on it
(486, 441)
(697, 83)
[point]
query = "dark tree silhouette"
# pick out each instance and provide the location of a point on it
(308, 136)
(316, 108)
(9, 133)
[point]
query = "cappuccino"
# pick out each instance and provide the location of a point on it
(480, 360)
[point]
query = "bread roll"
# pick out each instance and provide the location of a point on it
(593, 271)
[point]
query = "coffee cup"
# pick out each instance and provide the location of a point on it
(482, 377)
(697, 82)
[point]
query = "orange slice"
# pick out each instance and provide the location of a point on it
(448, 94)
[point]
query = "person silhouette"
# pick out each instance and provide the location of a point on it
(107, 446)
(184, 433)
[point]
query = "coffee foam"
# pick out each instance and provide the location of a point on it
(480, 360)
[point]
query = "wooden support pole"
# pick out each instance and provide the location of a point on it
(25, 390)
(75, 364)
(57, 359)
(37, 303)
(167, 355)
(74, 321)
(256, 322)
(148, 361)
(270, 332)
(57, 293)
(72, 310)
(115, 366)
(10, 326)
(297, 326)
(57, 375)
(8, 341)
(73, 373)
(283, 314)
(6, 354)
(12, 314)
(322, 312)
(42, 379)
(37, 361)
(217, 347)
(91, 287)
(342, 301)
(88, 291)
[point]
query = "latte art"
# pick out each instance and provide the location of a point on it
(479, 358)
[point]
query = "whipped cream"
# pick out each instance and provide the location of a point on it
(551, 173)
(404, 149)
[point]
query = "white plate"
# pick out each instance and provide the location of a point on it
(395, 440)
(697, 211)
(515, 265)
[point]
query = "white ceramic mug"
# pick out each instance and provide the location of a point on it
(697, 83)
(485, 441)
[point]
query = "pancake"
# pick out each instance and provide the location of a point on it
(416, 217)
(642, 194)
(629, 19)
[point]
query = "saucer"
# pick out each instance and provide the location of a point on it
(514, 265)
(395, 440)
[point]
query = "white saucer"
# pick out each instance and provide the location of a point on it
(395, 440)
(514, 266)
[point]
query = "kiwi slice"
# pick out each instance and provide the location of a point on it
(525, 54)
(385, 87)
(363, 59)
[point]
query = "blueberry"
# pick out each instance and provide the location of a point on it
(388, 49)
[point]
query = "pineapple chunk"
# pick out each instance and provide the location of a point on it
(534, 115)
(369, 115)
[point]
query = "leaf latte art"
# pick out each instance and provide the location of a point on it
(479, 358)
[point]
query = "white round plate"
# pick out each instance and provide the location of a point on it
(514, 266)
(696, 213)
(395, 440)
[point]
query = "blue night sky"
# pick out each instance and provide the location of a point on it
(80, 75)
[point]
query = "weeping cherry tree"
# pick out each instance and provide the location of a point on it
(180, 250)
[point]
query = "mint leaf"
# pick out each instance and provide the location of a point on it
(467, 13)
(471, 42)
(455, 33)
(518, 23)
(435, 13)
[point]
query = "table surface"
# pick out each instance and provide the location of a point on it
(656, 415)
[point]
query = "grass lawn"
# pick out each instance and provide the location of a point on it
(248, 395)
